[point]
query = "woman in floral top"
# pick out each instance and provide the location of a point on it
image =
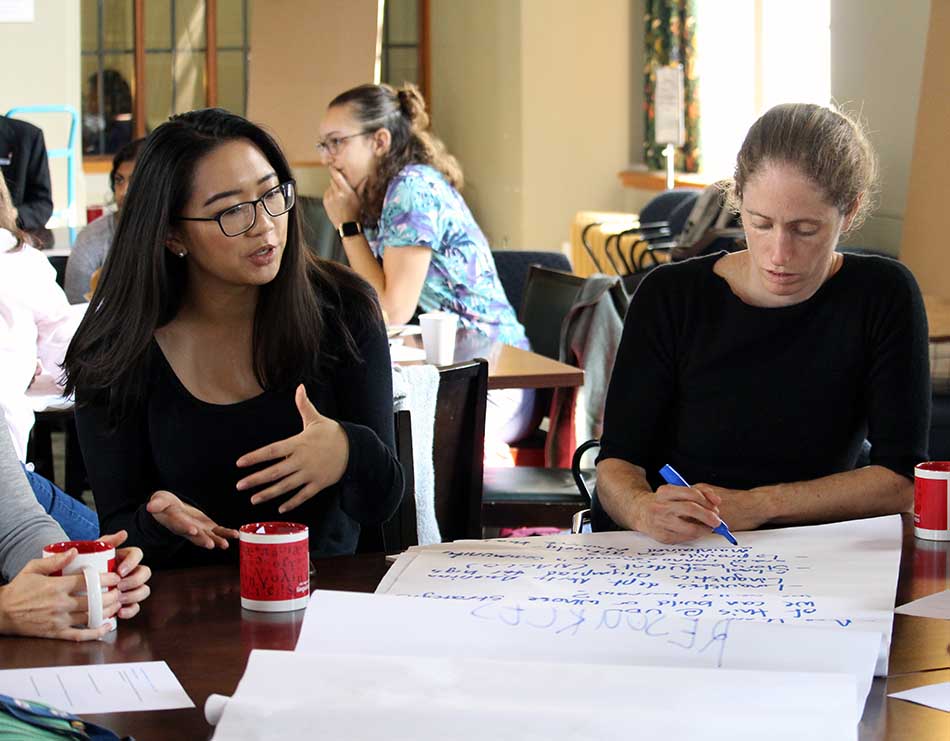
(394, 198)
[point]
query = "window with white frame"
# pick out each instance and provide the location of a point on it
(752, 55)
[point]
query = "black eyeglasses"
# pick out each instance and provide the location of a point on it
(241, 218)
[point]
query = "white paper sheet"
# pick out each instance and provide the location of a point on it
(841, 576)
(392, 697)
(932, 695)
(406, 354)
(352, 623)
(933, 606)
(98, 688)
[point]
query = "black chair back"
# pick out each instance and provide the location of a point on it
(458, 448)
(513, 267)
(548, 297)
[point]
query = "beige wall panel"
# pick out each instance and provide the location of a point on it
(40, 66)
(476, 107)
(304, 53)
(925, 242)
(877, 58)
(576, 79)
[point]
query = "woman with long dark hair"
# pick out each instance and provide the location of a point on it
(222, 374)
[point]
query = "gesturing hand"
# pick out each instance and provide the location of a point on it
(313, 459)
(187, 521)
(340, 200)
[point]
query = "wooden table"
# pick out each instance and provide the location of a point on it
(510, 367)
(194, 621)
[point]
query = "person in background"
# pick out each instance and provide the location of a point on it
(224, 375)
(394, 198)
(26, 171)
(758, 375)
(92, 244)
(34, 602)
(36, 325)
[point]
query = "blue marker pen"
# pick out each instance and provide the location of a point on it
(672, 477)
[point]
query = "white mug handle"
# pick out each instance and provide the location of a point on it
(93, 595)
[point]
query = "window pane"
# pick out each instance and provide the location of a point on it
(403, 66)
(402, 19)
(89, 25)
(158, 24)
(158, 102)
(189, 81)
(107, 104)
(230, 23)
(118, 25)
(189, 24)
(231, 81)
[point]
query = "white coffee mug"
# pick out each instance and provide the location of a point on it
(94, 558)
(438, 336)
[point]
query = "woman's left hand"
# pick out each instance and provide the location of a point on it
(134, 574)
(314, 459)
(340, 200)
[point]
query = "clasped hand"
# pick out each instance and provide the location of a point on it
(310, 461)
(676, 514)
(37, 603)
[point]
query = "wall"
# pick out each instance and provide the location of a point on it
(576, 79)
(476, 107)
(877, 56)
(533, 97)
(41, 67)
(925, 228)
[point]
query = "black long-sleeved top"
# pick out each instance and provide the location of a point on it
(178, 443)
(742, 396)
(26, 170)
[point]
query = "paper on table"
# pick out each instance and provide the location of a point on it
(422, 698)
(841, 576)
(933, 606)
(405, 354)
(98, 688)
(351, 623)
(932, 695)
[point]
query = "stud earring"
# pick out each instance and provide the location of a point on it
(182, 253)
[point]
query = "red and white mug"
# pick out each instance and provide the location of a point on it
(275, 566)
(932, 500)
(93, 559)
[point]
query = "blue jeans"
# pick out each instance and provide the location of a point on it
(79, 522)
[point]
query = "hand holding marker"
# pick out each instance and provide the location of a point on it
(672, 477)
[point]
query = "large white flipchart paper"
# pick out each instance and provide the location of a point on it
(285, 694)
(385, 625)
(841, 576)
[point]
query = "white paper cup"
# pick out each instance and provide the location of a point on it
(94, 558)
(438, 336)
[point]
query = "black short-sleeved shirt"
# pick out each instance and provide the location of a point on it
(189, 447)
(742, 396)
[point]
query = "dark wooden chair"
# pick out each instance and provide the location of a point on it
(458, 452)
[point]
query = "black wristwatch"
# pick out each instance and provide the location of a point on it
(350, 229)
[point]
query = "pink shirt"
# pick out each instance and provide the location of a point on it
(37, 323)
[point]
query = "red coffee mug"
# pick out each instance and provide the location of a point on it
(932, 500)
(93, 557)
(275, 566)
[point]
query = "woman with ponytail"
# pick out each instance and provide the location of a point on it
(394, 198)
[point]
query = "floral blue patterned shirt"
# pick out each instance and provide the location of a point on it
(421, 208)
